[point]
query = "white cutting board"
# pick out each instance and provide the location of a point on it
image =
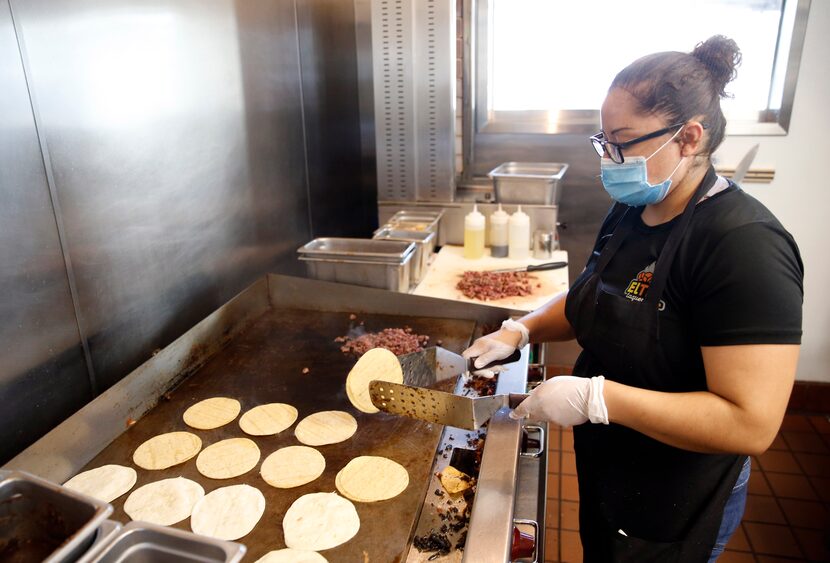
(448, 265)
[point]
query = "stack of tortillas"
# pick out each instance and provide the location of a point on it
(106, 483)
(212, 413)
(326, 427)
(378, 364)
(164, 502)
(167, 450)
(228, 458)
(320, 521)
(292, 467)
(371, 478)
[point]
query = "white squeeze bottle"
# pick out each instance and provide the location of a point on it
(519, 243)
(498, 233)
(474, 234)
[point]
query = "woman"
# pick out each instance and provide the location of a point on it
(689, 316)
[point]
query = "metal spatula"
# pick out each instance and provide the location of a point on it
(437, 406)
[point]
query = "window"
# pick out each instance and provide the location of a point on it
(544, 66)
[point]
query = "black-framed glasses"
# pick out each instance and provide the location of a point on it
(615, 150)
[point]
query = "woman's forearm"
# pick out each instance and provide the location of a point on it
(697, 421)
(548, 322)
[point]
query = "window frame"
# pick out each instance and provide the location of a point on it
(480, 119)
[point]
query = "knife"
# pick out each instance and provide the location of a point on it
(743, 165)
(440, 407)
(532, 268)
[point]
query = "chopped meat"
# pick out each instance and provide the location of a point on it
(486, 286)
(352, 316)
(397, 340)
(306, 370)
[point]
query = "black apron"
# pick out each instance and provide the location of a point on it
(621, 337)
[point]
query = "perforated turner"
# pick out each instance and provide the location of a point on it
(469, 413)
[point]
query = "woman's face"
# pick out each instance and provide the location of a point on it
(621, 122)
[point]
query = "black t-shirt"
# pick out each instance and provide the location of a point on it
(736, 279)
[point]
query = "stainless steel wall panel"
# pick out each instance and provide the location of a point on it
(43, 375)
(343, 202)
(175, 135)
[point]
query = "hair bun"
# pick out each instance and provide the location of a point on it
(721, 56)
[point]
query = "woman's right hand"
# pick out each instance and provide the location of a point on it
(492, 347)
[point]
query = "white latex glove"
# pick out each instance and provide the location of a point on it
(566, 401)
(496, 346)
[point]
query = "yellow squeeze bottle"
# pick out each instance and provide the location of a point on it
(474, 234)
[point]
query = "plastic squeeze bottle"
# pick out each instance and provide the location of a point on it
(498, 233)
(519, 243)
(474, 234)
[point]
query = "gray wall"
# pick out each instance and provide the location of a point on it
(156, 157)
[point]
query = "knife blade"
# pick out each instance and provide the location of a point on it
(743, 165)
(532, 268)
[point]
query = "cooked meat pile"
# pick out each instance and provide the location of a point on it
(397, 340)
(486, 286)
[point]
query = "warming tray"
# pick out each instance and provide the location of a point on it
(41, 521)
(532, 183)
(424, 245)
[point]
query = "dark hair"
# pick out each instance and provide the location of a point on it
(681, 86)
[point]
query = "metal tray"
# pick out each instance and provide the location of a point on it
(357, 249)
(42, 521)
(141, 542)
(424, 246)
(531, 183)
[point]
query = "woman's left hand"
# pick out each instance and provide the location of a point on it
(566, 401)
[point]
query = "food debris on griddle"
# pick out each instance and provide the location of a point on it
(434, 541)
(397, 340)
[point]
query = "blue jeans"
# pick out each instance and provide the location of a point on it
(733, 512)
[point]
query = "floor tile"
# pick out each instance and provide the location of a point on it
(736, 557)
(790, 486)
(569, 515)
(772, 539)
(805, 442)
(568, 463)
(822, 485)
(821, 423)
(738, 541)
(570, 488)
(758, 483)
(806, 514)
(552, 545)
(553, 486)
(817, 465)
(567, 441)
(554, 438)
(796, 422)
(763, 509)
(571, 549)
(555, 461)
(552, 513)
(779, 462)
(778, 443)
(814, 543)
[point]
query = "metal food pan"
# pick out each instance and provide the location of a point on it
(530, 183)
(394, 276)
(357, 249)
(42, 521)
(140, 542)
(417, 221)
(424, 246)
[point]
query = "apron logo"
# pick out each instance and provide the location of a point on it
(638, 287)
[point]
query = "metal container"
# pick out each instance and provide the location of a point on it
(532, 183)
(545, 243)
(410, 220)
(424, 245)
(41, 521)
(141, 542)
(385, 264)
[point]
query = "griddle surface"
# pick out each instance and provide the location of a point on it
(264, 365)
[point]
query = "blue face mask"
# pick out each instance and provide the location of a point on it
(628, 182)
